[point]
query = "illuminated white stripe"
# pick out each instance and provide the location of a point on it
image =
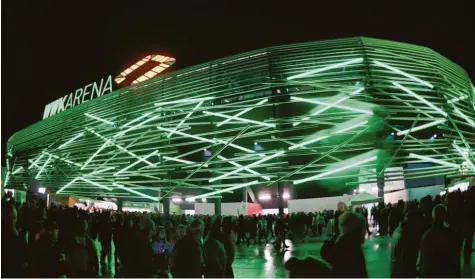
(324, 137)
(420, 98)
(330, 67)
(71, 140)
(223, 190)
(333, 105)
(136, 162)
(404, 74)
(440, 162)
(464, 117)
(240, 119)
(184, 101)
(99, 119)
(17, 170)
(178, 160)
(359, 90)
(62, 159)
(135, 192)
(421, 127)
(460, 151)
(67, 185)
(241, 113)
(95, 183)
(315, 177)
(184, 119)
(36, 161)
(245, 168)
(136, 119)
(136, 126)
(267, 158)
(43, 167)
(95, 154)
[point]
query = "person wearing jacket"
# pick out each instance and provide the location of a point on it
(215, 252)
(346, 254)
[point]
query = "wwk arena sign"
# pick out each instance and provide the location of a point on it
(78, 97)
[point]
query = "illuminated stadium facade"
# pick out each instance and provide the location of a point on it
(302, 114)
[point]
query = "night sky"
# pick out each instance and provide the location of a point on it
(51, 48)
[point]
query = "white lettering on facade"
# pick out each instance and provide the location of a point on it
(68, 101)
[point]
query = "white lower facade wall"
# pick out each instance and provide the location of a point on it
(317, 204)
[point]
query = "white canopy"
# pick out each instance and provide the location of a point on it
(365, 198)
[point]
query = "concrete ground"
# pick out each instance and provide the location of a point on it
(259, 261)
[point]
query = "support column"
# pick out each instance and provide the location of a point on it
(166, 207)
(120, 204)
(280, 197)
(217, 206)
(380, 180)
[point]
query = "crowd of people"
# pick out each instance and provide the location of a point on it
(428, 238)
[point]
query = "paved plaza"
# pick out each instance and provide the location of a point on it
(259, 261)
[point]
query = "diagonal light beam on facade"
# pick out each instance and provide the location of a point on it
(436, 161)
(95, 154)
(359, 124)
(248, 121)
(330, 67)
(135, 192)
(422, 127)
(326, 107)
(461, 114)
(465, 157)
(245, 168)
(43, 167)
(267, 158)
(17, 170)
(67, 185)
(70, 140)
(95, 183)
(316, 102)
(136, 162)
(327, 173)
(185, 101)
(135, 126)
(241, 113)
(99, 119)
(223, 190)
(62, 159)
(416, 79)
(34, 163)
(419, 98)
(179, 160)
(184, 119)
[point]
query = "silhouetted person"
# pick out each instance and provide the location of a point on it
(346, 254)
(215, 252)
(227, 238)
(13, 244)
(83, 255)
(437, 248)
(406, 241)
(241, 230)
(189, 258)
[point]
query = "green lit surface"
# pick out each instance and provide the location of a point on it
(259, 261)
(299, 101)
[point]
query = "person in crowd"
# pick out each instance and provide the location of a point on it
(227, 238)
(252, 228)
(215, 252)
(83, 255)
(348, 246)
(179, 234)
(241, 230)
(469, 224)
(437, 248)
(162, 250)
(406, 240)
(189, 258)
(14, 247)
(280, 234)
(118, 233)
(47, 256)
(396, 217)
(270, 223)
(308, 268)
(262, 229)
(169, 230)
(105, 238)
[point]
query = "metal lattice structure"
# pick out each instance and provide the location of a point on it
(297, 113)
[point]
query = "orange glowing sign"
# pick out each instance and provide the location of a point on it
(146, 68)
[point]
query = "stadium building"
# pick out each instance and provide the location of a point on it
(333, 115)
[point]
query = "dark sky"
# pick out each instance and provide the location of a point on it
(50, 48)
